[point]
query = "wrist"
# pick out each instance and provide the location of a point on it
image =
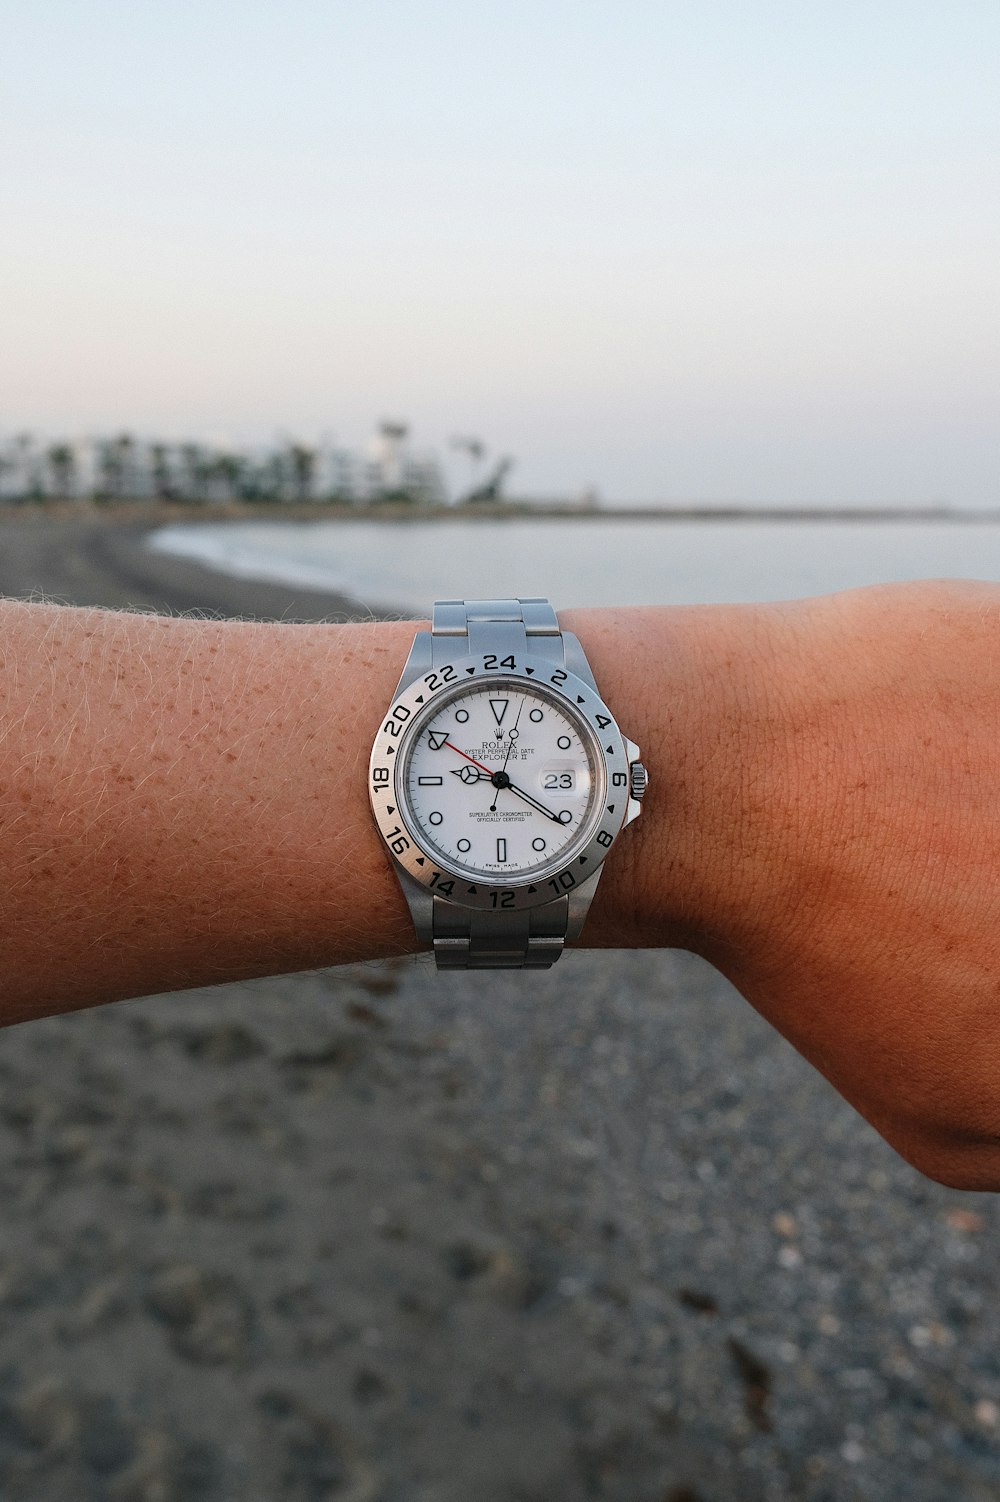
(700, 690)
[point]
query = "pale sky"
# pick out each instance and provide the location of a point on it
(673, 250)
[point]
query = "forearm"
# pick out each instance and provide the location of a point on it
(183, 802)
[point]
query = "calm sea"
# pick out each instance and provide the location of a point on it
(576, 562)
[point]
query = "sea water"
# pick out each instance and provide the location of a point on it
(584, 561)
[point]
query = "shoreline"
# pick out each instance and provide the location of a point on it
(101, 557)
(163, 513)
(103, 561)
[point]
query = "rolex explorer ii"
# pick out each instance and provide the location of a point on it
(499, 781)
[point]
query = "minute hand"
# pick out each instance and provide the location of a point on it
(513, 788)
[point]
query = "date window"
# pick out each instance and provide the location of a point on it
(561, 779)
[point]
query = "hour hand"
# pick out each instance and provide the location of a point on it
(470, 774)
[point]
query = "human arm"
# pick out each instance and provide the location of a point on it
(184, 801)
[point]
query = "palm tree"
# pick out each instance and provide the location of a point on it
(116, 467)
(227, 473)
(126, 448)
(109, 470)
(194, 461)
(303, 467)
(476, 450)
(161, 472)
(491, 488)
(62, 470)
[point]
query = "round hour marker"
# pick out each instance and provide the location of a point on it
(536, 715)
(435, 818)
(563, 743)
(538, 844)
(564, 816)
(465, 846)
(461, 715)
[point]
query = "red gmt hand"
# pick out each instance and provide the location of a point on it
(473, 760)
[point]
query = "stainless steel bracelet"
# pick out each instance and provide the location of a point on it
(464, 939)
(501, 626)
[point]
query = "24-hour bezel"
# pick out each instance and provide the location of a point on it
(403, 841)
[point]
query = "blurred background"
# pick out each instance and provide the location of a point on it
(324, 310)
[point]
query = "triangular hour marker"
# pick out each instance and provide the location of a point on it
(470, 670)
(580, 699)
(390, 809)
(499, 708)
(532, 889)
(583, 860)
(472, 891)
(530, 672)
(389, 750)
(420, 698)
(420, 860)
(611, 750)
(611, 808)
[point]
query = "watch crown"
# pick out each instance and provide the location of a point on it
(638, 779)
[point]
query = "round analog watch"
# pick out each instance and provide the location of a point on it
(499, 781)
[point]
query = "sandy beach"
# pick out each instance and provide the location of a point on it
(377, 1235)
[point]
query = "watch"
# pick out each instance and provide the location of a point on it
(499, 781)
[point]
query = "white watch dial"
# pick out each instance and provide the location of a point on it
(501, 780)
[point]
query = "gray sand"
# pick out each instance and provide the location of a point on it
(379, 1234)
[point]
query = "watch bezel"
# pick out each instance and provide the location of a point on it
(409, 708)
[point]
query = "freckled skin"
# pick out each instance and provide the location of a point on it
(185, 801)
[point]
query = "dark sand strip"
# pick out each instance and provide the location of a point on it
(97, 560)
